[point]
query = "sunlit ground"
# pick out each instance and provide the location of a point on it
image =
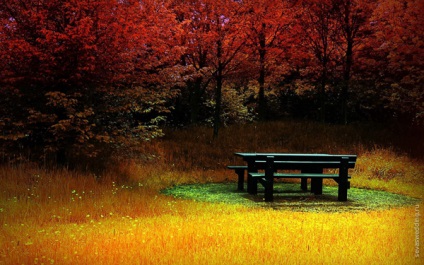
(64, 217)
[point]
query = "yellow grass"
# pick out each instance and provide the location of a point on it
(64, 217)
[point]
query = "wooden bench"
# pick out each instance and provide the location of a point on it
(309, 169)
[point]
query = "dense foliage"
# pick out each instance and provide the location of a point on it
(84, 78)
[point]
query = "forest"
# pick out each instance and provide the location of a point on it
(87, 79)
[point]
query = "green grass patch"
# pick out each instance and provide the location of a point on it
(289, 196)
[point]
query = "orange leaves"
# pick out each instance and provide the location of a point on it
(60, 99)
(76, 66)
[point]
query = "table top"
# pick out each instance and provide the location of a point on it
(243, 154)
(290, 156)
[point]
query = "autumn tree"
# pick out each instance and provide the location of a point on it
(266, 25)
(228, 40)
(212, 40)
(316, 31)
(74, 75)
(351, 17)
(396, 50)
(193, 18)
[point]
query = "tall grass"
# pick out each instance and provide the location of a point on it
(120, 217)
(194, 147)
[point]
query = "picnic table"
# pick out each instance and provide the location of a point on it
(263, 168)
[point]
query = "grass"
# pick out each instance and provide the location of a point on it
(121, 217)
(288, 196)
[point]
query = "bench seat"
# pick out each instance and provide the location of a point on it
(237, 167)
(315, 178)
(296, 175)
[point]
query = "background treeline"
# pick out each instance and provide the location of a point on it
(90, 79)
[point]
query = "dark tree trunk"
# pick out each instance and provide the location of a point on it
(196, 93)
(218, 91)
(346, 81)
(262, 108)
(324, 77)
(218, 99)
(322, 93)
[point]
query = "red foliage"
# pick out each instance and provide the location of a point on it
(78, 74)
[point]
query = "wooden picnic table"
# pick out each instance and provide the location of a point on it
(311, 166)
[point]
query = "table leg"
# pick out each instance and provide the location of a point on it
(252, 185)
(304, 184)
(316, 186)
(269, 179)
(344, 184)
(240, 173)
(316, 183)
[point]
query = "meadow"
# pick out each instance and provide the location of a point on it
(60, 216)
